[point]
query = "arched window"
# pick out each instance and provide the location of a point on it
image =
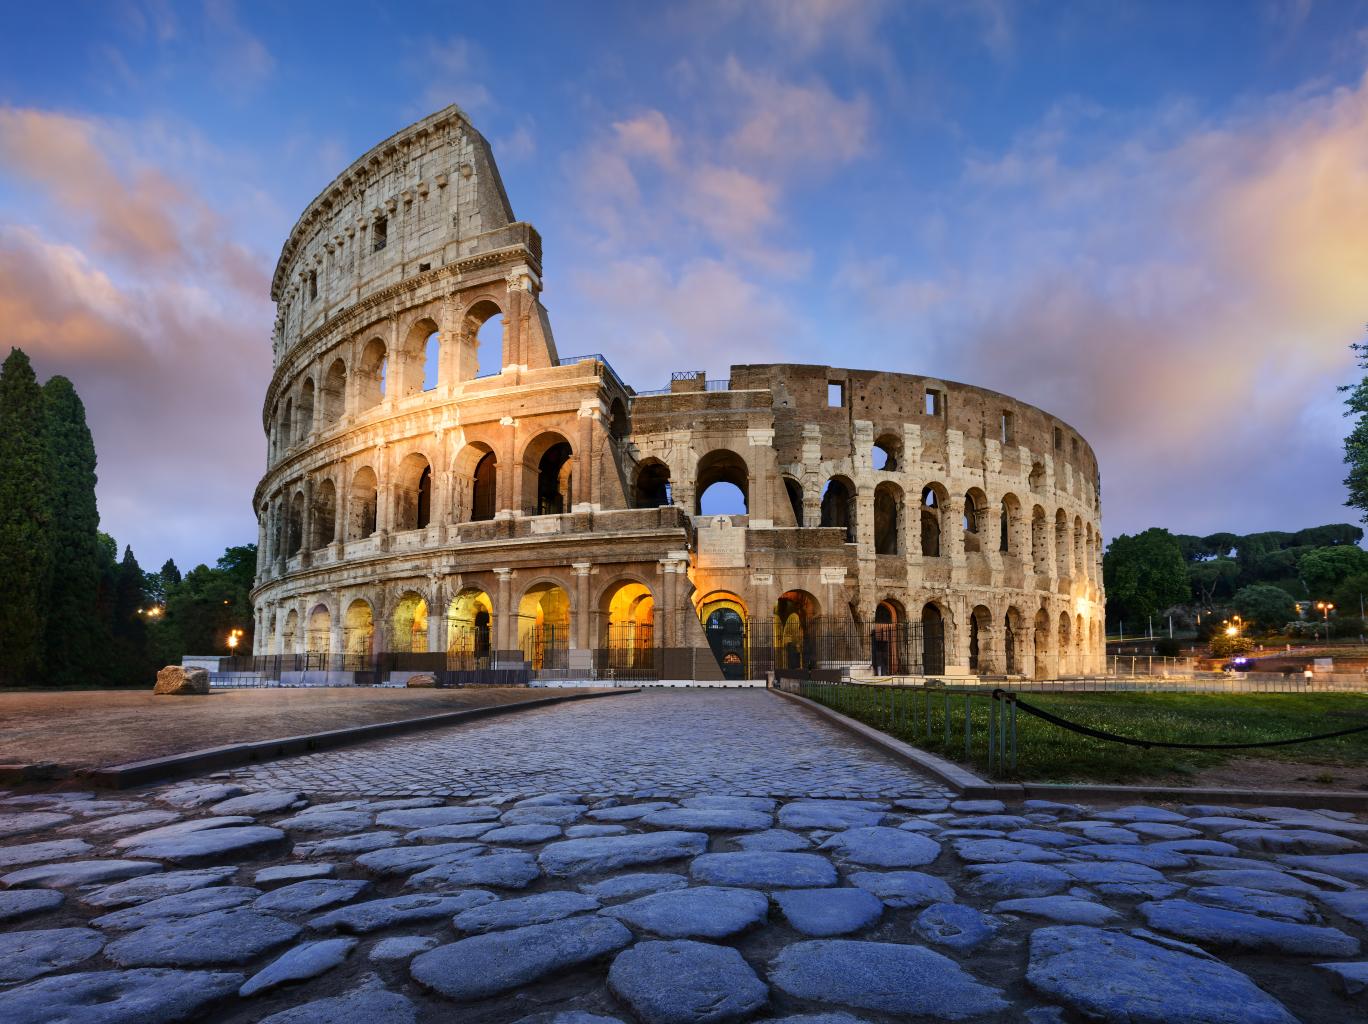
(837, 506)
(306, 410)
(1040, 557)
(554, 480)
(489, 341)
(794, 490)
(933, 641)
(484, 485)
(724, 620)
(627, 614)
(319, 634)
(975, 504)
(410, 624)
(334, 394)
(470, 629)
(722, 484)
(432, 355)
(795, 630)
(544, 625)
(885, 455)
(931, 505)
(361, 505)
(980, 640)
(887, 519)
(424, 498)
(652, 485)
(1010, 525)
(413, 493)
(295, 541)
(1037, 478)
(358, 628)
(324, 515)
(1011, 640)
(287, 424)
(373, 372)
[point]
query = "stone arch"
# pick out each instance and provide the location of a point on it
(372, 374)
(935, 636)
(544, 624)
(886, 455)
(1009, 532)
(626, 621)
(888, 638)
(362, 504)
(470, 627)
(422, 356)
(981, 660)
(933, 501)
(1036, 480)
(1063, 545)
(796, 617)
(318, 638)
(294, 541)
(476, 478)
(1080, 644)
(721, 466)
(334, 392)
(838, 506)
(1013, 641)
(974, 519)
(726, 622)
(483, 326)
(413, 493)
(289, 634)
(1065, 642)
(304, 412)
(793, 489)
(358, 632)
(1080, 563)
(548, 465)
(1040, 553)
(652, 488)
(888, 512)
(323, 518)
(287, 424)
(410, 623)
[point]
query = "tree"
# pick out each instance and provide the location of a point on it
(131, 663)
(1356, 443)
(1144, 574)
(1212, 578)
(1265, 606)
(1324, 569)
(206, 604)
(72, 642)
(25, 511)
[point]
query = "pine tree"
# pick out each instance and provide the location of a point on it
(72, 651)
(25, 504)
(132, 661)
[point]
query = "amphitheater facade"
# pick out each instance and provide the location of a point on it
(445, 490)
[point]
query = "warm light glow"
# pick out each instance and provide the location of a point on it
(1232, 630)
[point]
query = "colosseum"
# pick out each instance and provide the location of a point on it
(445, 492)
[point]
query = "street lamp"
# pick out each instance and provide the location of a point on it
(234, 637)
(1325, 608)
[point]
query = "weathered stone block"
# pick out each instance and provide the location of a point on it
(182, 681)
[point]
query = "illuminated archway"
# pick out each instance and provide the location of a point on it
(795, 622)
(725, 624)
(470, 627)
(544, 625)
(627, 611)
(410, 624)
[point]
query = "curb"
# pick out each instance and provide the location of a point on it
(967, 784)
(196, 762)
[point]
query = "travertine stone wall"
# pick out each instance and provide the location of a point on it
(985, 512)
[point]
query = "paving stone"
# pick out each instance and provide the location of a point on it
(828, 814)
(557, 815)
(994, 821)
(118, 997)
(446, 833)
(310, 895)
(404, 860)
(372, 916)
(920, 825)
(1146, 855)
(485, 965)
(594, 856)
(624, 886)
(22, 903)
(177, 906)
(825, 912)
(1108, 976)
(401, 803)
(904, 888)
(568, 1017)
(215, 846)
(1324, 821)
(1205, 847)
(1270, 881)
(321, 821)
(927, 804)
(183, 828)
(1220, 823)
(1012, 881)
(270, 801)
(1253, 901)
(151, 887)
(1218, 928)
(1350, 979)
(31, 821)
(77, 872)
(1060, 909)
(199, 794)
(1091, 872)
(220, 937)
(1042, 837)
(427, 817)
(1350, 866)
(522, 835)
(955, 926)
(682, 982)
(1112, 834)
(293, 873)
(817, 1018)
(402, 947)
(550, 800)
(1161, 830)
(501, 870)
(1290, 840)
(1222, 863)
(94, 808)
(705, 912)
(593, 831)
(890, 978)
(876, 846)
(779, 840)
(124, 822)
(372, 1004)
(763, 804)
(710, 819)
(1001, 851)
(764, 869)
(1353, 905)
(30, 954)
(629, 812)
(363, 842)
(305, 961)
(1142, 812)
(518, 913)
(978, 806)
(36, 853)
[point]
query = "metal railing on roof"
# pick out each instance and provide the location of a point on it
(595, 357)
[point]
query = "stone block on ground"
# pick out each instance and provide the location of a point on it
(683, 982)
(178, 681)
(422, 681)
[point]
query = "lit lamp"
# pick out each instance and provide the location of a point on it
(1325, 608)
(234, 636)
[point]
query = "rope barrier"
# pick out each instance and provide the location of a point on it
(1101, 734)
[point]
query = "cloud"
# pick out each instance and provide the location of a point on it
(241, 60)
(797, 127)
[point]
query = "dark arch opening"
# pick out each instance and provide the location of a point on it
(794, 490)
(887, 514)
(653, 488)
(483, 489)
(837, 499)
(722, 484)
(424, 512)
(553, 480)
(933, 641)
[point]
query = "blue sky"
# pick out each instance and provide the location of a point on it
(1150, 218)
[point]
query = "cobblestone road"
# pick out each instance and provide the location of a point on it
(671, 742)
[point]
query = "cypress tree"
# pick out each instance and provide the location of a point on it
(72, 651)
(25, 504)
(133, 662)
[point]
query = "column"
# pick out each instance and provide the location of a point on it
(585, 485)
(666, 595)
(580, 633)
(505, 635)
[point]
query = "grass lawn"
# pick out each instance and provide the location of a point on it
(1048, 753)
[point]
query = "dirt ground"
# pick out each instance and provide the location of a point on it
(96, 728)
(1256, 773)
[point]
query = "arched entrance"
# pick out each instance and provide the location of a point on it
(319, 634)
(888, 639)
(627, 633)
(980, 640)
(544, 626)
(470, 629)
(795, 640)
(724, 624)
(547, 468)
(357, 632)
(933, 641)
(410, 634)
(652, 485)
(289, 634)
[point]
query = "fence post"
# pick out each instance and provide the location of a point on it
(1014, 735)
(992, 726)
(947, 721)
(968, 721)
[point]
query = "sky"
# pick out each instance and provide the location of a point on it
(1150, 219)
